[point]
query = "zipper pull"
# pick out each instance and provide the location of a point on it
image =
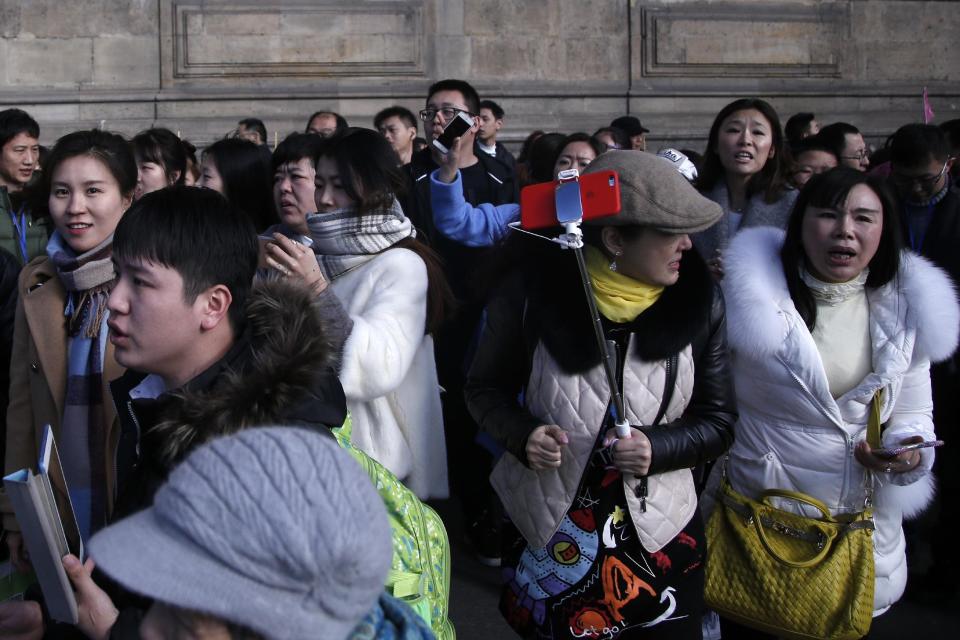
(640, 491)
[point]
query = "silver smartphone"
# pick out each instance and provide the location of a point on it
(893, 452)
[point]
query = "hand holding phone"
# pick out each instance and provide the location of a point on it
(454, 129)
(893, 452)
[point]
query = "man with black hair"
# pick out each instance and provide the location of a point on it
(252, 129)
(631, 126)
(847, 143)
(482, 179)
(491, 120)
(207, 352)
(951, 129)
(19, 158)
(811, 156)
(799, 127)
(399, 126)
(920, 164)
(326, 123)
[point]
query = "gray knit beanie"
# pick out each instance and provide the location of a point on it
(275, 529)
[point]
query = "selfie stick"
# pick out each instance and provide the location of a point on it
(570, 215)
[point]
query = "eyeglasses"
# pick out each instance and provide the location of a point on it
(924, 182)
(860, 155)
(448, 113)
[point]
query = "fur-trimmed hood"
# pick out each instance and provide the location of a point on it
(758, 299)
(793, 434)
(279, 371)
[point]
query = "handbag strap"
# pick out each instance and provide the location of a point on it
(672, 364)
(873, 424)
(762, 517)
(873, 439)
(797, 497)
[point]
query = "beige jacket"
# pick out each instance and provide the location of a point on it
(537, 501)
(38, 375)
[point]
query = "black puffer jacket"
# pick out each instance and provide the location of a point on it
(280, 371)
(547, 305)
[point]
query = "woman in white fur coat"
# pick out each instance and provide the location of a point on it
(394, 292)
(820, 318)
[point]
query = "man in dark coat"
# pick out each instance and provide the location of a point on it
(484, 179)
(920, 170)
(207, 352)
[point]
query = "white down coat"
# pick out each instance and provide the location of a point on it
(388, 371)
(792, 434)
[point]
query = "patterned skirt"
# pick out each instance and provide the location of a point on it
(594, 579)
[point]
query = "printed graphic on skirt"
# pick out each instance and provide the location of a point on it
(594, 579)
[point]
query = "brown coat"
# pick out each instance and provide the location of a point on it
(38, 375)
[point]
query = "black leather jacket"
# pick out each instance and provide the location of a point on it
(531, 308)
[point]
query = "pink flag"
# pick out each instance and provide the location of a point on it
(927, 109)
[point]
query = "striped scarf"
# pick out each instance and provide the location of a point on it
(88, 279)
(343, 240)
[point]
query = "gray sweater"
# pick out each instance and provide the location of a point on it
(758, 213)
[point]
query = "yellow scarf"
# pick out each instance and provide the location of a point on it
(619, 297)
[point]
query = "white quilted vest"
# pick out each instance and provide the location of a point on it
(537, 501)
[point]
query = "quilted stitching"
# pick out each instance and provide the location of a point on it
(537, 500)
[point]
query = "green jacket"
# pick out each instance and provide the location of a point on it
(36, 232)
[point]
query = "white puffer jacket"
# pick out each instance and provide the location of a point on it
(792, 434)
(388, 371)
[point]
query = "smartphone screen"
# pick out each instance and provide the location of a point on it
(454, 129)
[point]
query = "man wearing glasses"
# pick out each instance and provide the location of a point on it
(847, 143)
(920, 170)
(483, 179)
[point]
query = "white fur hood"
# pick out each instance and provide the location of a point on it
(757, 297)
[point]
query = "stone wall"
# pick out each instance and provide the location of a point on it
(197, 66)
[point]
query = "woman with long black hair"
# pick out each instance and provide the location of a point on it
(822, 317)
(395, 295)
(745, 168)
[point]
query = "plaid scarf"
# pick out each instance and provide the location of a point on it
(88, 279)
(343, 240)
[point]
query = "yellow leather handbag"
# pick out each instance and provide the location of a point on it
(788, 574)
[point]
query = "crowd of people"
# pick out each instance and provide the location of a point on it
(196, 325)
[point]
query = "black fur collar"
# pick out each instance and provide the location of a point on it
(283, 363)
(559, 315)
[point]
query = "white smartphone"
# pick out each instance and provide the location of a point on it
(454, 129)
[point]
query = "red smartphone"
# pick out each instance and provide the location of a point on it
(599, 195)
